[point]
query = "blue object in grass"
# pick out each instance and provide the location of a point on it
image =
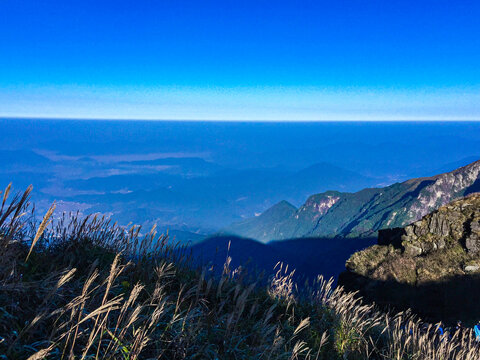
(477, 331)
(440, 330)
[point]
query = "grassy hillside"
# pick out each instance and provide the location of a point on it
(84, 288)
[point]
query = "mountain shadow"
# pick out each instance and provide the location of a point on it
(309, 257)
(475, 187)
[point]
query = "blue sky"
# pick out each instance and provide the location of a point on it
(272, 60)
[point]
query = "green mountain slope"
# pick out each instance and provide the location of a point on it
(362, 213)
(261, 226)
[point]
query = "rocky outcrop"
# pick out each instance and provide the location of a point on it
(451, 233)
(429, 261)
(455, 223)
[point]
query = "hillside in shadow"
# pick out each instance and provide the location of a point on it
(308, 256)
(457, 298)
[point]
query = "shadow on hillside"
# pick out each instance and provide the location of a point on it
(308, 256)
(474, 188)
(457, 298)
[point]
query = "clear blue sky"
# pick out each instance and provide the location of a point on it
(298, 60)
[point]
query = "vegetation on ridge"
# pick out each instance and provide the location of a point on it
(85, 288)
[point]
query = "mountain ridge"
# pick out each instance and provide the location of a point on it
(363, 213)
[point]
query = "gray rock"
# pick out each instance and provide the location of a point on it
(472, 243)
(475, 225)
(412, 250)
(471, 268)
(440, 243)
(428, 247)
(409, 231)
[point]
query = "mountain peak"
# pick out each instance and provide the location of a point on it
(284, 204)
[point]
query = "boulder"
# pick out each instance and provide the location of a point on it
(472, 240)
(471, 268)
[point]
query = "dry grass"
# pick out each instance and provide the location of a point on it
(89, 289)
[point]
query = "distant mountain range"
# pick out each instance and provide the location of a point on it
(192, 195)
(360, 214)
(201, 194)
